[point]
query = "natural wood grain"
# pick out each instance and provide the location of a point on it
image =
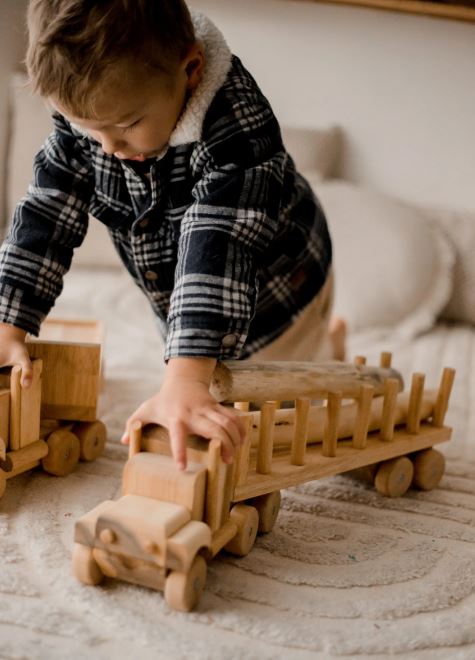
(70, 380)
(300, 435)
(415, 403)
(281, 381)
(363, 417)
(348, 458)
(389, 409)
(266, 437)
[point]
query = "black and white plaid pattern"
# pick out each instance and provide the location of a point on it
(224, 237)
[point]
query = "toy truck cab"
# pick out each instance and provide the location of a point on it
(153, 535)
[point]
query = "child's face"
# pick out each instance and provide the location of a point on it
(137, 115)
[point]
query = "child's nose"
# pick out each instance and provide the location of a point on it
(110, 145)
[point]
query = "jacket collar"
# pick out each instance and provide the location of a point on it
(217, 65)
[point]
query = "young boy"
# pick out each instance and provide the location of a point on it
(162, 135)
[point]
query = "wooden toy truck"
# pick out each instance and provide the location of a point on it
(168, 523)
(53, 422)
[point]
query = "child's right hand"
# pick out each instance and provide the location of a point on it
(14, 352)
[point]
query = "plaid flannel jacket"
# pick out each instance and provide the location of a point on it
(224, 237)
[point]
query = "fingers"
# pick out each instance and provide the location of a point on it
(178, 433)
(207, 427)
(143, 415)
(230, 423)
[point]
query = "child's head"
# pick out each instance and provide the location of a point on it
(121, 69)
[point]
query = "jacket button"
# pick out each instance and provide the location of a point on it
(228, 341)
(151, 275)
(144, 223)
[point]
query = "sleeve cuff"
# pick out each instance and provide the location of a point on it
(15, 311)
(223, 340)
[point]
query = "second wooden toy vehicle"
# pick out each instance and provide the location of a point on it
(52, 422)
(169, 523)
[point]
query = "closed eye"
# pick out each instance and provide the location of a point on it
(126, 129)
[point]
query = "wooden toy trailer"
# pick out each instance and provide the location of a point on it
(168, 523)
(53, 422)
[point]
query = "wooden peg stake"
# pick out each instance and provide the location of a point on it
(243, 406)
(391, 388)
(443, 396)
(330, 436)
(299, 440)
(415, 403)
(359, 360)
(266, 438)
(242, 454)
(363, 415)
(385, 360)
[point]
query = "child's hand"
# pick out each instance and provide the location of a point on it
(186, 407)
(14, 352)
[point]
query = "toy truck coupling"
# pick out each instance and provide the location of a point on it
(53, 422)
(342, 418)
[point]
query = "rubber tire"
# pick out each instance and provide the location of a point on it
(268, 507)
(85, 567)
(183, 590)
(429, 467)
(63, 453)
(247, 521)
(92, 437)
(394, 477)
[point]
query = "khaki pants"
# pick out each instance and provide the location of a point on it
(307, 339)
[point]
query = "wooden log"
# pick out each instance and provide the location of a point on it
(266, 438)
(443, 396)
(385, 359)
(359, 360)
(299, 440)
(284, 419)
(263, 381)
(415, 403)
(330, 436)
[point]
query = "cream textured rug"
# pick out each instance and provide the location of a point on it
(345, 572)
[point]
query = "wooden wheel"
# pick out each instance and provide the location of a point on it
(92, 437)
(183, 590)
(429, 466)
(3, 485)
(85, 567)
(63, 453)
(268, 509)
(247, 521)
(394, 477)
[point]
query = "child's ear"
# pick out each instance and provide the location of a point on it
(194, 65)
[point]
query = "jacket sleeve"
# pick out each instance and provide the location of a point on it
(48, 223)
(224, 235)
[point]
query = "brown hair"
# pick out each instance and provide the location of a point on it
(74, 44)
